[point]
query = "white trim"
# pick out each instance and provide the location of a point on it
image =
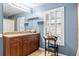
(77, 54)
(0, 35)
(41, 49)
(59, 54)
(78, 23)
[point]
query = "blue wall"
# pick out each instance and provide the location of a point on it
(70, 25)
(1, 29)
(70, 22)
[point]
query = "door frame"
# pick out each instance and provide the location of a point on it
(78, 23)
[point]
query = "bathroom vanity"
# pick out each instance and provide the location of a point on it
(20, 44)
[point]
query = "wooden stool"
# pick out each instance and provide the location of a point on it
(53, 46)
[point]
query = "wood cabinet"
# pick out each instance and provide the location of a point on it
(21, 45)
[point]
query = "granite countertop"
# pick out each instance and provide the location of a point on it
(18, 34)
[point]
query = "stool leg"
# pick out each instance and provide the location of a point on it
(48, 46)
(57, 50)
(55, 47)
(45, 47)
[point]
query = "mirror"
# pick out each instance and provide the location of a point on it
(16, 17)
(10, 17)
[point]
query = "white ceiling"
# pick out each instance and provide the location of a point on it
(9, 10)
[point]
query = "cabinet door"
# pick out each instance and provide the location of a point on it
(37, 41)
(25, 45)
(15, 47)
(33, 42)
(20, 46)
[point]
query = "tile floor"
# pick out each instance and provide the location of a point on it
(41, 53)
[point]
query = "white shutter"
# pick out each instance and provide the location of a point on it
(54, 23)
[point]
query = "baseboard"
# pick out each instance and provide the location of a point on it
(41, 49)
(59, 54)
(0, 35)
(77, 54)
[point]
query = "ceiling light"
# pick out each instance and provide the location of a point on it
(28, 7)
(20, 6)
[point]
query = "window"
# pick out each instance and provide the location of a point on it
(54, 23)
